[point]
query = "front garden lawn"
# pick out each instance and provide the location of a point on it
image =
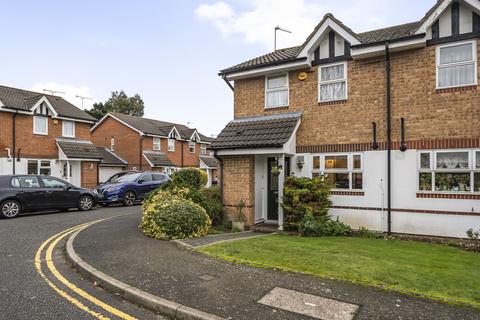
(436, 271)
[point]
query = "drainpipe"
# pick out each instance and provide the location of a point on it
(140, 155)
(221, 173)
(14, 141)
(228, 82)
(389, 140)
(182, 144)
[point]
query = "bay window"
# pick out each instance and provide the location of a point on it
(332, 82)
(276, 91)
(457, 65)
(343, 171)
(449, 171)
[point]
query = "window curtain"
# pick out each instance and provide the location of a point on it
(460, 74)
(456, 54)
(332, 91)
(332, 73)
(452, 160)
(277, 98)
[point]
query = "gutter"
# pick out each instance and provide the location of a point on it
(224, 77)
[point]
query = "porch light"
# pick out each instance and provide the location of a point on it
(300, 162)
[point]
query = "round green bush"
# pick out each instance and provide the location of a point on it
(192, 178)
(168, 216)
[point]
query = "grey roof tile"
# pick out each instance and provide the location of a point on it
(257, 132)
(110, 158)
(158, 159)
(390, 33)
(75, 149)
(24, 100)
(209, 161)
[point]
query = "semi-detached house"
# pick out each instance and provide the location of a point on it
(392, 116)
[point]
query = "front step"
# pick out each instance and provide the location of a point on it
(265, 227)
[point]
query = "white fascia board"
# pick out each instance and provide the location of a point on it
(113, 117)
(378, 50)
(195, 133)
(49, 105)
(329, 23)
(151, 164)
(434, 16)
(1, 104)
(179, 137)
(155, 135)
(15, 111)
(268, 70)
(115, 155)
(235, 152)
(75, 120)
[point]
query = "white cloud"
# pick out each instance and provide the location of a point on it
(256, 23)
(70, 92)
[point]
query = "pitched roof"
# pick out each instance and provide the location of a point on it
(157, 127)
(111, 158)
(157, 159)
(209, 161)
(24, 100)
(291, 54)
(257, 132)
(75, 149)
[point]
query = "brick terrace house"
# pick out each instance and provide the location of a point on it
(45, 134)
(147, 144)
(391, 115)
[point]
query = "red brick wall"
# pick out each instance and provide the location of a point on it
(89, 174)
(32, 145)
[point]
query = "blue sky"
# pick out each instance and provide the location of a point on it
(167, 51)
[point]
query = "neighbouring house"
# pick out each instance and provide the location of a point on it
(392, 116)
(147, 144)
(210, 165)
(45, 134)
(110, 164)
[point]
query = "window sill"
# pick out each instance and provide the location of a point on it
(279, 108)
(40, 134)
(448, 195)
(357, 193)
(333, 102)
(456, 89)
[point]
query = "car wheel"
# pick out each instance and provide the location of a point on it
(129, 199)
(85, 203)
(10, 209)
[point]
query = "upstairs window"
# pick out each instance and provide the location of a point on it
(332, 84)
(203, 148)
(156, 144)
(171, 145)
(276, 91)
(112, 144)
(40, 125)
(457, 65)
(68, 129)
(191, 147)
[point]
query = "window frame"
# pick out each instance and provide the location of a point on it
(267, 91)
(190, 144)
(474, 57)
(171, 145)
(344, 79)
(203, 149)
(350, 168)
(112, 144)
(64, 122)
(472, 170)
(157, 141)
(40, 166)
(35, 129)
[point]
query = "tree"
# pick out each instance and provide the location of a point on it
(119, 102)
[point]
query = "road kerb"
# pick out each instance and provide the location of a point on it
(132, 294)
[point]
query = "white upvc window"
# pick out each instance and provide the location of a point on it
(171, 145)
(39, 167)
(40, 125)
(456, 64)
(156, 143)
(112, 144)
(449, 171)
(276, 91)
(332, 82)
(203, 148)
(68, 129)
(191, 147)
(344, 171)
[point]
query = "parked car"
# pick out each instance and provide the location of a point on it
(130, 187)
(30, 193)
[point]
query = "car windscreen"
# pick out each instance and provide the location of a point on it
(115, 177)
(131, 177)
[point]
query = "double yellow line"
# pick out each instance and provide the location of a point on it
(51, 243)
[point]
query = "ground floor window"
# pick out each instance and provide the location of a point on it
(42, 167)
(343, 171)
(449, 171)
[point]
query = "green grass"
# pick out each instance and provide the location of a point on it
(435, 271)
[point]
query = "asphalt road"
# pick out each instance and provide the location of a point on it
(24, 294)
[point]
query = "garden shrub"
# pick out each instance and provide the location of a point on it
(475, 237)
(336, 228)
(305, 199)
(310, 226)
(169, 215)
(366, 233)
(192, 178)
(214, 203)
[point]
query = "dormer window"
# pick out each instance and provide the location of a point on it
(332, 84)
(457, 65)
(276, 91)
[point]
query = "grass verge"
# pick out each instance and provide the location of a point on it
(434, 271)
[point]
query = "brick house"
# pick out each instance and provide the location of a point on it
(147, 144)
(45, 134)
(391, 116)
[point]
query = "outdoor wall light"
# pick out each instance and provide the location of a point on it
(300, 162)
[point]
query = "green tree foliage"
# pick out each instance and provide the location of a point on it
(119, 102)
(305, 197)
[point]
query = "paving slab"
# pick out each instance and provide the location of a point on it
(118, 248)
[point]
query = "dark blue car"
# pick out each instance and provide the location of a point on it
(128, 188)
